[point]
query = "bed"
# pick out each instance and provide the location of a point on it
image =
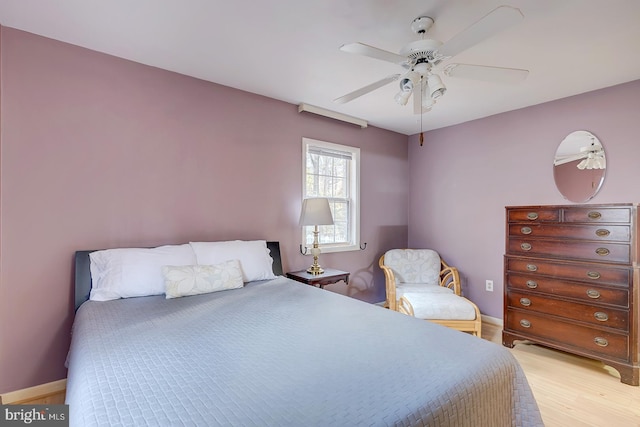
(279, 353)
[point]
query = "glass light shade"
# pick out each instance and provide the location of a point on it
(427, 101)
(593, 161)
(402, 97)
(406, 85)
(436, 87)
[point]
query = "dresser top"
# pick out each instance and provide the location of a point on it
(583, 206)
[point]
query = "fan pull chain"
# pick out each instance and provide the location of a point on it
(421, 112)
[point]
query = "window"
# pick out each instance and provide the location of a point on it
(333, 171)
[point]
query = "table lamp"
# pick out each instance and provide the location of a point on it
(315, 211)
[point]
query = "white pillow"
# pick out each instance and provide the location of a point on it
(134, 272)
(253, 255)
(181, 281)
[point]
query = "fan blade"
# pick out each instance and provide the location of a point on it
(561, 160)
(495, 21)
(373, 52)
(364, 90)
(485, 73)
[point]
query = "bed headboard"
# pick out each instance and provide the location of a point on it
(83, 271)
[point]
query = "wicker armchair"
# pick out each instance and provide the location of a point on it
(420, 283)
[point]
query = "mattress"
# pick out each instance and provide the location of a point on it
(280, 353)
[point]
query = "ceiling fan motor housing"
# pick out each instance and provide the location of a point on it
(421, 24)
(422, 49)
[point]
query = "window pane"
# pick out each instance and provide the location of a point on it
(340, 187)
(311, 189)
(341, 232)
(326, 234)
(340, 210)
(325, 185)
(340, 167)
(325, 166)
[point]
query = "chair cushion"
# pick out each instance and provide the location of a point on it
(402, 288)
(439, 306)
(414, 265)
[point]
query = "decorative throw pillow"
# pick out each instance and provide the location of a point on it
(255, 261)
(134, 272)
(181, 281)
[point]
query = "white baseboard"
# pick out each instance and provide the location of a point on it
(492, 320)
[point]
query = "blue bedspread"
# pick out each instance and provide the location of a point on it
(280, 353)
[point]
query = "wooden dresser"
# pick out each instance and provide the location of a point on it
(571, 277)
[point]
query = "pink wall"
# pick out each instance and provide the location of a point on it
(465, 175)
(101, 152)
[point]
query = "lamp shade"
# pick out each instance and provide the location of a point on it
(316, 211)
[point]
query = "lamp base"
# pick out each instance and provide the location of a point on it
(315, 269)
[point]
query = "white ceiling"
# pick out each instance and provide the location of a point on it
(289, 49)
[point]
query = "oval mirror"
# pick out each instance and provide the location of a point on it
(579, 166)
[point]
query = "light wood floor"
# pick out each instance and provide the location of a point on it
(573, 391)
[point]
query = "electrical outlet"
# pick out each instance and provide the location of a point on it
(489, 285)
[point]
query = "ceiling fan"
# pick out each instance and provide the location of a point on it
(422, 59)
(592, 157)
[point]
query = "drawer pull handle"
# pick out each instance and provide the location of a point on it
(525, 323)
(593, 275)
(602, 232)
(594, 215)
(532, 216)
(526, 230)
(602, 342)
(600, 316)
(525, 246)
(532, 267)
(602, 251)
(592, 293)
(527, 302)
(531, 284)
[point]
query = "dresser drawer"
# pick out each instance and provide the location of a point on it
(614, 233)
(580, 271)
(585, 292)
(597, 214)
(594, 251)
(566, 334)
(533, 215)
(600, 316)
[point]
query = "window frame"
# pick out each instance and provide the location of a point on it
(354, 194)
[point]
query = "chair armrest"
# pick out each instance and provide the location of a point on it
(405, 307)
(450, 278)
(390, 285)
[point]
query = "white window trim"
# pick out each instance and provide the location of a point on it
(355, 189)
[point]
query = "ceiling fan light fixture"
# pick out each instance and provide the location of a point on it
(427, 101)
(402, 97)
(592, 161)
(595, 157)
(406, 85)
(427, 104)
(409, 81)
(436, 87)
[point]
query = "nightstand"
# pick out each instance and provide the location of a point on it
(329, 277)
